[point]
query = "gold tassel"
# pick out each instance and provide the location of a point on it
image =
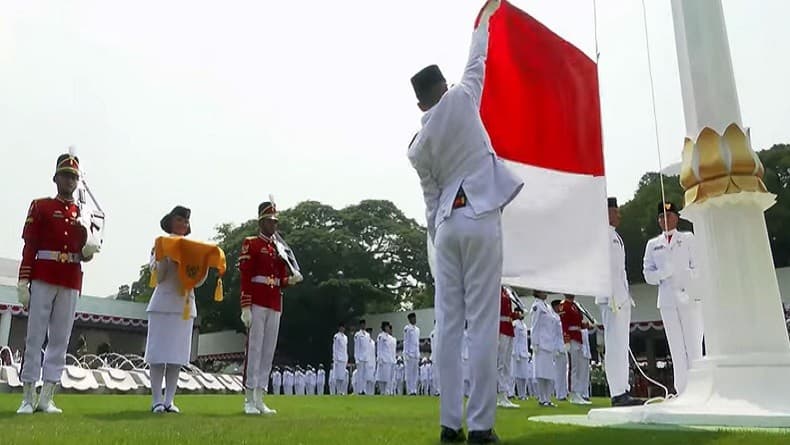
(218, 291)
(187, 309)
(152, 281)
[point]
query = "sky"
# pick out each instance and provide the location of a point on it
(215, 105)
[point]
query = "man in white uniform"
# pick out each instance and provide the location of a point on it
(371, 371)
(544, 346)
(320, 378)
(560, 359)
(361, 354)
(411, 354)
(299, 381)
(669, 263)
(288, 382)
(616, 317)
(520, 355)
(277, 380)
(465, 187)
(309, 378)
(340, 359)
(385, 361)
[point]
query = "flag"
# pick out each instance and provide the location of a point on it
(541, 108)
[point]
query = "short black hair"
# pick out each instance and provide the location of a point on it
(411, 314)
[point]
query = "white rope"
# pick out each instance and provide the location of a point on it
(655, 113)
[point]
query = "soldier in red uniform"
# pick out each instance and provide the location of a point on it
(263, 275)
(572, 325)
(505, 348)
(50, 280)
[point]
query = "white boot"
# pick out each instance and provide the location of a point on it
(265, 410)
(249, 402)
(28, 405)
(45, 402)
(576, 399)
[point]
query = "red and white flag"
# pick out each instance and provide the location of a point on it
(541, 108)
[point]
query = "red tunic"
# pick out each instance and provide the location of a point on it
(506, 315)
(54, 239)
(263, 273)
(572, 322)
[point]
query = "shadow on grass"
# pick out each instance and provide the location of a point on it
(617, 436)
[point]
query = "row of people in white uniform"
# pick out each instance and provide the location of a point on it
(376, 363)
(298, 381)
(553, 361)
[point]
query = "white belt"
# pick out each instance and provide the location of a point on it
(271, 281)
(60, 257)
(503, 318)
(574, 328)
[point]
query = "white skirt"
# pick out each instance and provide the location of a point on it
(544, 365)
(169, 339)
(384, 372)
(521, 368)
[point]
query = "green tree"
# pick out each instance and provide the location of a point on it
(776, 161)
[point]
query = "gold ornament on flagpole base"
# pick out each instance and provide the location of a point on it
(716, 165)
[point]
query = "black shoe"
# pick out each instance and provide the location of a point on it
(487, 436)
(450, 435)
(625, 399)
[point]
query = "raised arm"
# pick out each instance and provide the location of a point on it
(472, 80)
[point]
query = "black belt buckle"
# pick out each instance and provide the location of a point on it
(460, 199)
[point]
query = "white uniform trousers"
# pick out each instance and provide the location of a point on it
(361, 381)
(276, 388)
(504, 358)
(341, 381)
(616, 333)
(435, 380)
(370, 374)
(288, 389)
(50, 316)
(683, 327)
(261, 342)
(561, 376)
(412, 374)
(468, 279)
(577, 368)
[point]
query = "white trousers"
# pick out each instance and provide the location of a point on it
(275, 388)
(521, 388)
(288, 389)
(361, 381)
(332, 386)
(50, 317)
(504, 357)
(412, 374)
(561, 376)
(261, 343)
(435, 381)
(616, 334)
(684, 329)
(468, 279)
(578, 365)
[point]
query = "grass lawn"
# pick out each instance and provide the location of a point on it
(350, 420)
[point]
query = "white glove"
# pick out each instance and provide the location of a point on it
(567, 347)
(89, 250)
(246, 316)
(295, 278)
(23, 292)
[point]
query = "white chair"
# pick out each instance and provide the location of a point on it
(229, 382)
(77, 378)
(208, 381)
(187, 382)
(9, 371)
